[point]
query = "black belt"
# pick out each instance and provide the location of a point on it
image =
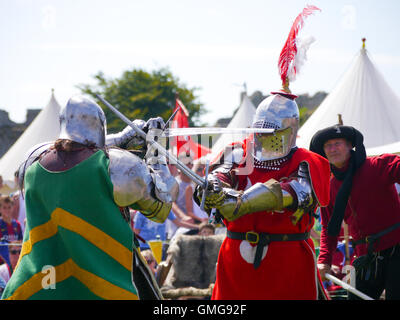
(370, 240)
(263, 239)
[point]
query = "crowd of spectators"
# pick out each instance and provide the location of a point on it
(12, 226)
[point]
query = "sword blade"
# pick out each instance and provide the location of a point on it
(172, 116)
(348, 287)
(203, 200)
(174, 132)
(174, 160)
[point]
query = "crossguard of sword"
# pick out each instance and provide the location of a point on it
(172, 159)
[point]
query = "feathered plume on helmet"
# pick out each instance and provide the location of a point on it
(293, 54)
(279, 111)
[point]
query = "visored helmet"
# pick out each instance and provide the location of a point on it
(83, 121)
(279, 112)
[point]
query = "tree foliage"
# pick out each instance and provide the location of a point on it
(142, 95)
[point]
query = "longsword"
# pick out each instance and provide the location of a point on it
(189, 173)
(348, 287)
(173, 132)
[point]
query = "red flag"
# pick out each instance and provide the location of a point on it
(181, 118)
(185, 144)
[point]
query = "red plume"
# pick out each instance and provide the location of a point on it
(289, 50)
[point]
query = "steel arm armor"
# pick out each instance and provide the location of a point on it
(267, 196)
(33, 155)
(134, 182)
(127, 138)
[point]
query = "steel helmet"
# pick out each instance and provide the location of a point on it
(82, 120)
(281, 113)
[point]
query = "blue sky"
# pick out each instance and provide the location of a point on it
(213, 45)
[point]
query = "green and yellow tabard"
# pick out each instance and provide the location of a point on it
(76, 244)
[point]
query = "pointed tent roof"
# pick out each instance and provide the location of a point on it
(364, 100)
(242, 119)
(45, 127)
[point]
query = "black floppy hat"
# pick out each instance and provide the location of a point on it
(349, 133)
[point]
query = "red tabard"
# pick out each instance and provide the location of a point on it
(288, 269)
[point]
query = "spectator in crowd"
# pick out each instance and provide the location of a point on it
(150, 259)
(186, 189)
(14, 251)
(2, 286)
(132, 214)
(10, 229)
(198, 167)
(150, 230)
(183, 207)
(18, 212)
(206, 229)
(173, 170)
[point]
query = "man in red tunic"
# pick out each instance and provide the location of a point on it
(266, 189)
(363, 194)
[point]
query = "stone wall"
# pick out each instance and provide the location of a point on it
(11, 131)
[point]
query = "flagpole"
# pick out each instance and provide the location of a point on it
(345, 226)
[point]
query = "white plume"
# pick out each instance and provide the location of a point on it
(302, 44)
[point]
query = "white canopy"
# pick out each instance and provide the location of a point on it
(364, 100)
(45, 127)
(242, 119)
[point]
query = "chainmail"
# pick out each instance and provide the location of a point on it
(275, 164)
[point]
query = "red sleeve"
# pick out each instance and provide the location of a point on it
(320, 174)
(389, 166)
(328, 244)
(225, 178)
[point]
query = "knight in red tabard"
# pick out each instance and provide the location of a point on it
(266, 190)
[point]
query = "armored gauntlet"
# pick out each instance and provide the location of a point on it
(127, 138)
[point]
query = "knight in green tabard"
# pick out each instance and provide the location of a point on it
(78, 243)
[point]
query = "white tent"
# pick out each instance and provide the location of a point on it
(387, 148)
(364, 100)
(242, 119)
(45, 127)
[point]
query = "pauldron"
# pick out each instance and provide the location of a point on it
(33, 155)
